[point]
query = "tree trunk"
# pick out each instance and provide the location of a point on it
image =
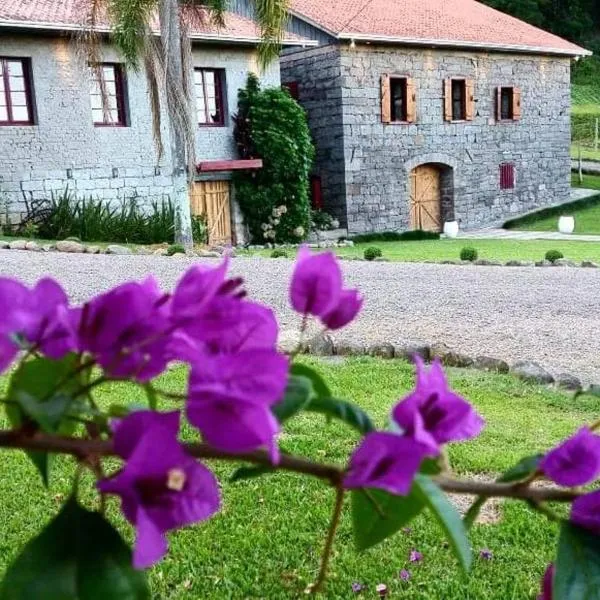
(170, 31)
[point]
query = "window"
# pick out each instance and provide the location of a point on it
(107, 94)
(507, 176)
(459, 100)
(292, 88)
(16, 106)
(209, 84)
(398, 99)
(508, 104)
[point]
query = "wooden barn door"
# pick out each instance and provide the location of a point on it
(425, 198)
(211, 198)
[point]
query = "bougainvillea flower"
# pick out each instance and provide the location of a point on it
(358, 587)
(486, 554)
(404, 575)
(585, 512)
(433, 414)
(230, 399)
(575, 461)
(126, 330)
(386, 461)
(415, 556)
(316, 283)
(547, 583)
(161, 487)
(348, 307)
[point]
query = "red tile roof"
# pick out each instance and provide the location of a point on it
(73, 14)
(464, 23)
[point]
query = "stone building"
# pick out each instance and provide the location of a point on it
(426, 111)
(58, 131)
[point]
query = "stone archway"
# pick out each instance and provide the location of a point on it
(431, 196)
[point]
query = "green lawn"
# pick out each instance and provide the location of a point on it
(586, 153)
(267, 540)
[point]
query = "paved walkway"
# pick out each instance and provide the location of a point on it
(588, 166)
(547, 315)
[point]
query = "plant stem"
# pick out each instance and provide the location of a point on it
(335, 521)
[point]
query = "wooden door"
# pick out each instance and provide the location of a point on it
(425, 198)
(211, 198)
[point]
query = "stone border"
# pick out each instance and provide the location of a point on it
(525, 370)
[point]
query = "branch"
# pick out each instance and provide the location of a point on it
(84, 448)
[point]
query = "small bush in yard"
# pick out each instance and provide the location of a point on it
(373, 252)
(468, 253)
(554, 255)
(175, 249)
(279, 253)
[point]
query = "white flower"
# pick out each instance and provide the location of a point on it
(299, 231)
(283, 209)
(264, 226)
(275, 222)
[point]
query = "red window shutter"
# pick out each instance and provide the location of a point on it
(316, 192)
(292, 88)
(507, 176)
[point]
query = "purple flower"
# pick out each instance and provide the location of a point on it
(585, 511)
(346, 310)
(127, 329)
(574, 462)
(547, 583)
(486, 554)
(230, 399)
(358, 587)
(381, 589)
(316, 283)
(415, 556)
(404, 575)
(433, 414)
(386, 461)
(161, 487)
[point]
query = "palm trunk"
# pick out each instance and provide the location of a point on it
(170, 31)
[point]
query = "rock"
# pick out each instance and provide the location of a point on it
(588, 264)
(218, 249)
(160, 252)
(33, 246)
(484, 262)
(381, 350)
(568, 382)
(321, 345)
(18, 245)
(288, 340)
(350, 349)
(450, 262)
(564, 262)
(449, 357)
(543, 263)
(92, 249)
(488, 363)
(208, 254)
(48, 247)
(69, 246)
(519, 263)
(349, 243)
(382, 259)
(409, 351)
(143, 251)
(116, 249)
(532, 372)
(4, 245)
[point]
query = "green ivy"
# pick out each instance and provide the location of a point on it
(271, 125)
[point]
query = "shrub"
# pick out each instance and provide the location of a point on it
(200, 229)
(468, 253)
(395, 236)
(322, 221)
(175, 249)
(279, 253)
(275, 199)
(554, 255)
(373, 252)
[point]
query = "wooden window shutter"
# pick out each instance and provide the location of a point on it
(499, 104)
(470, 100)
(411, 101)
(386, 103)
(448, 100)
(516, 104)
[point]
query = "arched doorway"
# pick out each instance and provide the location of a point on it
(431, 196)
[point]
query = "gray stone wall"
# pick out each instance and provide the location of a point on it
(64, 149)
(377, 158)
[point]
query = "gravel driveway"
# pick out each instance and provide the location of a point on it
(549, 315)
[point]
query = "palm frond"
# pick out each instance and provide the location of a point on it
(88, 39)
(272, 17)
(155, 80)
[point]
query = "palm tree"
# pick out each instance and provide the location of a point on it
(167, 63)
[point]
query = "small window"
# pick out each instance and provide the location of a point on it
(107, 95)
(210, 106)
(506, 103)
(507, 176)
(16, 106)
(398, 95)
(459, 100)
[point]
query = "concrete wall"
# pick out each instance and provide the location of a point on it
(64, 148)
(376, 158)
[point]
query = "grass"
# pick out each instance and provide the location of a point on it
(586, 153)
(267, 540)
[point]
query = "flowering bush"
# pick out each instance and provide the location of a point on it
(241, 391)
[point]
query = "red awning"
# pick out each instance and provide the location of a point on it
(207, 166)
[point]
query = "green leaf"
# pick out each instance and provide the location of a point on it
(344, 411)
(523, 469)
(118, 411)
(321, 388)
(447, 516)
(377, 515)
(151, 395)
(44, 382)
(78, 556)
(577, 567)
(298, 394)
